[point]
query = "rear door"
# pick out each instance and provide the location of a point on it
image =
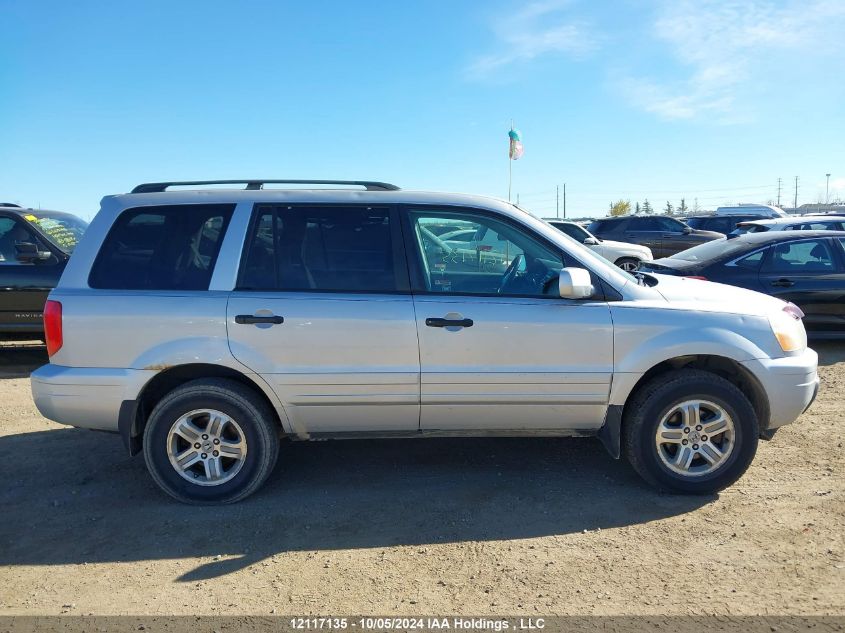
(674, 236)
(24, 281)
(647, 232)
(810, 273)
(322, 311)
(499, 349)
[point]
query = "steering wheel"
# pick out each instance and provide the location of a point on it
(510, 272)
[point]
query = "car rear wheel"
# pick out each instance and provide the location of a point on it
(690, 431)
(628, 264)
(211, 442)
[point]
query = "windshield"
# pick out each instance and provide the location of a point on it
(709, 250)
(587, 257)
(572, 230)
(64, 230)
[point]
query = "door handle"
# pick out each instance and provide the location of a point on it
(783, 283)
(437, 322)
(248, 319)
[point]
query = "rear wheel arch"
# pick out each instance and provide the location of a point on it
(134, 414)
(627, 259)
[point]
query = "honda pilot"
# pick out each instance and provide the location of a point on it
(206, 325)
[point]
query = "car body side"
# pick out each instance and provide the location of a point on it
(174, 336)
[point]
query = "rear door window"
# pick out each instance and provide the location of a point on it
(807, 256)
(329, 249)
(720, 225)
(162, 248)
(606, 226)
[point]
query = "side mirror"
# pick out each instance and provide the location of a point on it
(591, 241)
(29, 253)
(575, 283)
(686, 230)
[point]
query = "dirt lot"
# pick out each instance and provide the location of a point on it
(493, 527)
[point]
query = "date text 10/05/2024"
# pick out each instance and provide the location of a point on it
(416, 623)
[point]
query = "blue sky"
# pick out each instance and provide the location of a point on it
(618, 99)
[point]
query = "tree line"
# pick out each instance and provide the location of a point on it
(623, 207)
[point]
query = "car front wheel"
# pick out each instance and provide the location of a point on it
(690, 431)
(210, 442)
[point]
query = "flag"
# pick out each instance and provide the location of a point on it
(515, 150)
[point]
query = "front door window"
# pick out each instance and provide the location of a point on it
(498, 260)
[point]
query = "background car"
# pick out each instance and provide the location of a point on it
(806, 268)
(625, 255)
(765, 210)
(34, 248)
(664, 235)
(724, 224)
(794, 223)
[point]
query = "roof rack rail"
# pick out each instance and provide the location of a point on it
(10, 204)
(252, 185)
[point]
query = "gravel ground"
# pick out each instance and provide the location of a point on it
(492, 527)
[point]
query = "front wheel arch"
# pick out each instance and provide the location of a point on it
(719, 365)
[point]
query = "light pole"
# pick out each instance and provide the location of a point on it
(827, 190)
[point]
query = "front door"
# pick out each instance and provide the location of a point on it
(646, 232)
(499, 349)
(322, 311)
(810, 274)
(24, 281)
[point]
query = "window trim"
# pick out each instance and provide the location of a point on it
(415, 268)
(403, 284)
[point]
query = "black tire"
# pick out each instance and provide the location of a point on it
(624, 262)
(237, 401)
(654, 400)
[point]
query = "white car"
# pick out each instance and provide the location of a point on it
(793, 223)
(205, 325)
(626, 256)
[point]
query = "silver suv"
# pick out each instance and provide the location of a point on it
(205, 324)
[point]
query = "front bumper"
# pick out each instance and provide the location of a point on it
(87, 397)
(791, 384)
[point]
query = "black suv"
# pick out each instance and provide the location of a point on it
(34, 248)
(722, 223)
(664, 235)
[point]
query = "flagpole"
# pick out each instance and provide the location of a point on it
(510, 164)
(510, 170)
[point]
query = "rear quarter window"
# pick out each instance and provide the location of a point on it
(162, 248)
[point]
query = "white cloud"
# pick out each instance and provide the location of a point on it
(537, 29)
(724, 46)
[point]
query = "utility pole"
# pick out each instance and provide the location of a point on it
(557, 201)
(795, 201)
(827, 190)
(564, 201)
(779, 191)
(517, 199)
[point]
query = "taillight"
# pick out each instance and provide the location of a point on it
(53, 326)
(695, 277)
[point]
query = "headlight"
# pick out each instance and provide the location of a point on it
(788, 328)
